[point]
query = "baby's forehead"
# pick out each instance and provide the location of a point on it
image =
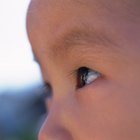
(110, 21)
(127, 8)
(106, 11)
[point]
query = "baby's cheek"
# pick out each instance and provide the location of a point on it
(110, 110)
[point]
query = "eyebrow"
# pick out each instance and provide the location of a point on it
(79, 38)
(82, 37)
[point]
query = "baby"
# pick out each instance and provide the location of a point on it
(89, 54)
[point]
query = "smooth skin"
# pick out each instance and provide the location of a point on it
(102, 35)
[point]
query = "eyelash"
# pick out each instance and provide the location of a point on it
(83, 78)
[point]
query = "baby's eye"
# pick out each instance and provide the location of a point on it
(86, 76)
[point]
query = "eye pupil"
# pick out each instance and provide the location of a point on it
(82, 76)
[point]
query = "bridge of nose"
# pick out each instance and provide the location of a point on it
(60, 121)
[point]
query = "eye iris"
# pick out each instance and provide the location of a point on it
(86, 76)
(82, 76)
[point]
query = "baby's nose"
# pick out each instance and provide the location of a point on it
(54, 127)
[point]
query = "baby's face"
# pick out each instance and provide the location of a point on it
(89, 53)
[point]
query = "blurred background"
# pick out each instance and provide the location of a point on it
(22, 107)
